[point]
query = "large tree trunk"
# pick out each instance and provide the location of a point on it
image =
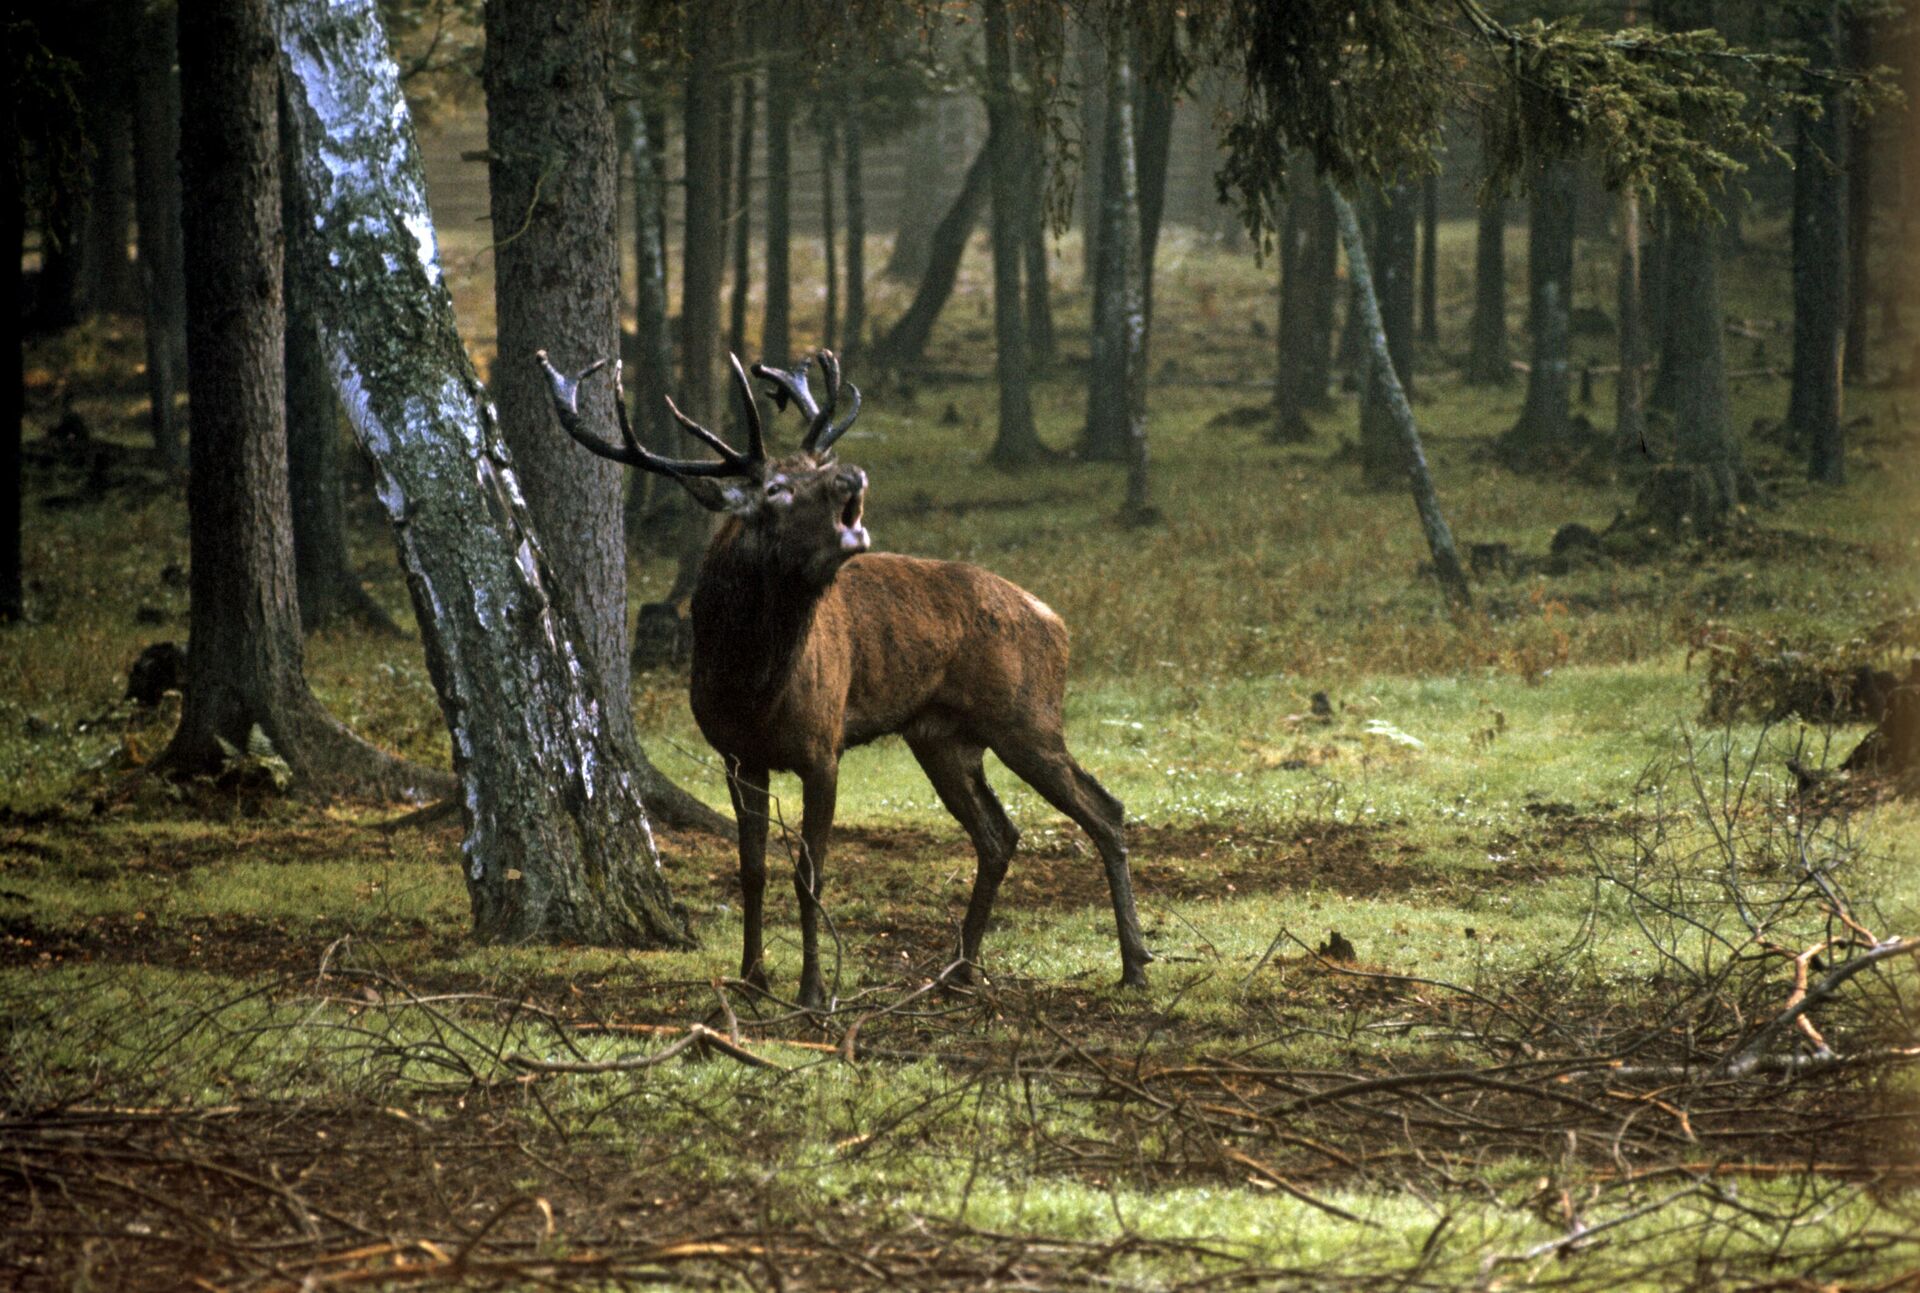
(1487, 332)
(1017, 443)
(1396, 217)
(551, 173)
(1309, 256)
(652, 375)
(906, 341)
(1545, 428)
(1819, 265)
(1116, 386)
(776, 330)
(558, 845)
(742, 221)
(156, 167)
(1430, 259)
(1393, 397)
(245, 668)
(1692, 387)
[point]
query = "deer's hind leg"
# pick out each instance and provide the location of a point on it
(1044, 763)
(953, 765)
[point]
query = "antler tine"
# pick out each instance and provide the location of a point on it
(565, 392)
(834, 432)
(789, 387)
(756, 434)
(823, 416)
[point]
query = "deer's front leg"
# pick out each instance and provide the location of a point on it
(819, 789)
(748, 786)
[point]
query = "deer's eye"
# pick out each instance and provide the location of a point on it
(778, 491)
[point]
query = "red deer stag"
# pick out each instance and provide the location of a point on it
(805, 644)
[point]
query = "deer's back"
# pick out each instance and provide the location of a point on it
(943, 644)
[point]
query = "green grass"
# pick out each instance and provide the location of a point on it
(1449, 820)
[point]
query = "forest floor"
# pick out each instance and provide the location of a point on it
(1466, 973)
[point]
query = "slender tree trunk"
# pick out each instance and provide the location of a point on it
(1430, 259)
(156, 152)
(558, 845)
(1396, 217)
(1545, 428)
(853, 342)
(742, 222)
(1153, 129)
(1309, 256)
(906, 341)
(1290, 425)
(1090, 58)
(776, 332)
(1350, 355)
(1446, 560)
(552, 175)
(112, 282)
(1487, 333)
(652, 375)
(1116, 387)
(1860, 164)
(1018, 442)
(829, 155)
(1038, 298)
(1629, 406)
(58, 301)
(1819, 265)
(13, 237)
(245, 669)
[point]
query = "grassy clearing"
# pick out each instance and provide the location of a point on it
(1518, 820)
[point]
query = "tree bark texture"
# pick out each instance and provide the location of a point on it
(111, 282)
(1629, 404)
(156, 174)
(1693, 368)
(1038, 285)
(854, 335)
(1430, 258)
(1487, 331)
(905, 342)
(1860, 165)
(1819, 266)
(742, 220)
(558, 844)
(1017, 442)
(1446, 559)
(1116, 390)
(245, 658)
(1153, 140)
(1545, 428)
(1309, 257)
(776, 330)
(552, 176)
(1396, 218)
(652, 375)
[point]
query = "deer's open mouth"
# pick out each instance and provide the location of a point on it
(853, 535)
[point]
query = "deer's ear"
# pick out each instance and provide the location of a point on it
(730, 494)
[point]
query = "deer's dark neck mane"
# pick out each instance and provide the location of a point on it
(750, 621)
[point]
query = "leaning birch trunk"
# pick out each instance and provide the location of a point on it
(1393, 397)
(558, 844)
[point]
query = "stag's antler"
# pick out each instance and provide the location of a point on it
(792, 387)
(566, 405)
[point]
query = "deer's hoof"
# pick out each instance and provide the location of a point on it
(1134, 976)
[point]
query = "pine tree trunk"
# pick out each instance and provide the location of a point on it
(1545, 428)
(776, 332)
(652, 374)
(1396, 218)
(906, 341)
(1430, 259)
(1693, 371)
(1860, 165)
(111, 283)
(1017, 443)
(163, 285)
(1487, 333)
(1629, 405)
(13, 394)
(742, 221)
(1153, 130)
(829, 229)
(1090, 59)
(1116, 388)
(245, 657)
(1038, 298)
(1393, 397)
(854, 333)
(558, 845)
(1819, 265)
(1319, 285)
(552, 177)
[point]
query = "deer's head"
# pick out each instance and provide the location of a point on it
(800, 514)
